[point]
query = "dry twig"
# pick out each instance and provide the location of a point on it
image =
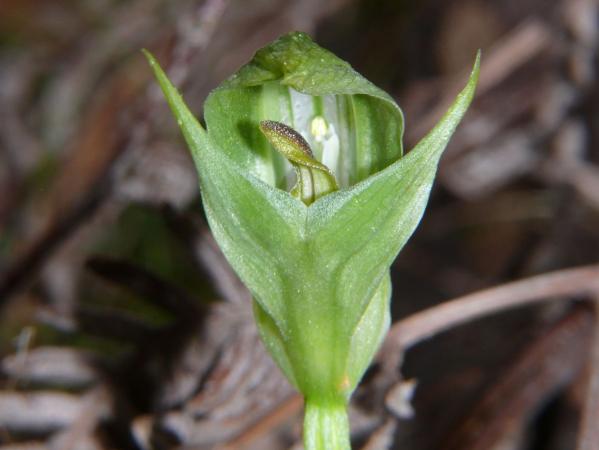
(549, 364)
(420, 326)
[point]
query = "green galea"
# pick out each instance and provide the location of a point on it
(310, 197)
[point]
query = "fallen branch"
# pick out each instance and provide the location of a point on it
(570, 282)
(425, 324)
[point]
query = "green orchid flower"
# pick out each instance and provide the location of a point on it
(308, 194)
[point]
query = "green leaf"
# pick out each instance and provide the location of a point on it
(369, 332)
(256, 226)
(359, 231)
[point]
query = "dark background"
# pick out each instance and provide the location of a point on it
(121, 327)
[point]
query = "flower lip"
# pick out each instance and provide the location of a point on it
(314, 179)
(286, 132)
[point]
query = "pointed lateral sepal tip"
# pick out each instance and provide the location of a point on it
(193, 132)
(434, 143)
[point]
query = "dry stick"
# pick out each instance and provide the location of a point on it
(562, 283)
(95, 405)
(544, 368)
(382, 437)
(420, 326)
(588, 436)
(76, 198)
(273, 419)
(518, 47)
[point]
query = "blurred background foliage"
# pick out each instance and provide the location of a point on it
(122, 327)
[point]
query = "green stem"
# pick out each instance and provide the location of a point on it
(326, 426)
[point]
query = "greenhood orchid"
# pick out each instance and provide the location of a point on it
(310, 197)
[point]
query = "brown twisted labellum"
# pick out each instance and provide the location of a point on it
(314, 179)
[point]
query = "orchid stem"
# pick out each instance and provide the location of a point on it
(326, 426)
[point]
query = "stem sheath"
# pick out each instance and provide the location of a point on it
(326, 426)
